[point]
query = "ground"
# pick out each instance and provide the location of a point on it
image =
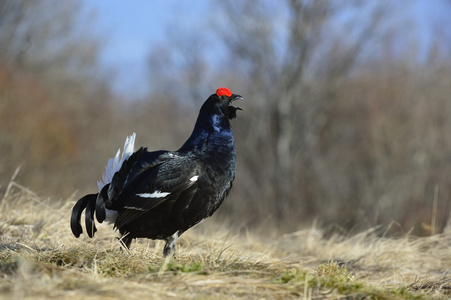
(41, 259)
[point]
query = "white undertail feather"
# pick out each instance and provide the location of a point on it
(111, 216)
(114, 164)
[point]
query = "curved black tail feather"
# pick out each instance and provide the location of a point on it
(89, 217)
(77, 211)
(100, 204)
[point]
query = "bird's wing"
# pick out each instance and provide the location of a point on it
(173, 179)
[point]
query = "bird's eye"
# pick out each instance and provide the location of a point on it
(223, 97)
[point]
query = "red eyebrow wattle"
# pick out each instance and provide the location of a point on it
(223, 91)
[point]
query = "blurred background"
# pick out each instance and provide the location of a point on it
(347, 106)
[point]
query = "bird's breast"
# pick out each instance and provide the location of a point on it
(222, 154)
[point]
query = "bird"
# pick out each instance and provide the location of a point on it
(160, 194)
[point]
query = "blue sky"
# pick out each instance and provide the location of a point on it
(131, 29)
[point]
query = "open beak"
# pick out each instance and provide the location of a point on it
(233, 99)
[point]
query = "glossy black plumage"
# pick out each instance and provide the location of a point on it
(161, 194)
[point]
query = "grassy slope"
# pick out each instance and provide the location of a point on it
(41, 259)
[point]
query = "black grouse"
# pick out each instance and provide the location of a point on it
(161, 194)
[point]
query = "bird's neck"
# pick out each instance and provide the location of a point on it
(209, 132)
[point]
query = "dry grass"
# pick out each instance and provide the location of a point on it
(41, 259)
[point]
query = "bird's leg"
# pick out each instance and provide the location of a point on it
(169, 248)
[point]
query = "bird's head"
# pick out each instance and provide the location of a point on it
(222, 103)
(214, 118)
